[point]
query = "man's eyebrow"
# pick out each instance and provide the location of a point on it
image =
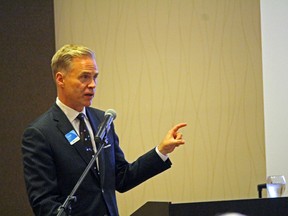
(89, 73)
(86, 72)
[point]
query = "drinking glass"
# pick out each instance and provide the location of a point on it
(275, 185)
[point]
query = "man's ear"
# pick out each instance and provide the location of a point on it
(59, 79)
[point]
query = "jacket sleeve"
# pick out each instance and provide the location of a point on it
(129, 175)
(39, 173)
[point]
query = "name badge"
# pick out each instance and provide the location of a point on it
(72, 137)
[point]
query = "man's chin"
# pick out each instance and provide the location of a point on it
(87, 104)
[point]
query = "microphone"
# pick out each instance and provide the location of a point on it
(104, 127)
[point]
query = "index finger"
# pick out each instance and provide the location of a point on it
(178, 126)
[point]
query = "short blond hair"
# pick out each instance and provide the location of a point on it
(61, 61)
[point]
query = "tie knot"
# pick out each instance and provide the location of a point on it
(81, 116)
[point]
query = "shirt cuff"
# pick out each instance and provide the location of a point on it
(162, 156)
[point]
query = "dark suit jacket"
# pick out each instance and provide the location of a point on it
(52, 167)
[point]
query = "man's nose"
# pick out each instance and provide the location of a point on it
(93, 83)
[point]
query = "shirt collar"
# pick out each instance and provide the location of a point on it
(69, 112)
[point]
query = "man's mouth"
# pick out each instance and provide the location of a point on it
(89, 95)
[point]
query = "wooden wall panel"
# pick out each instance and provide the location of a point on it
(163, 62)
(27, 89)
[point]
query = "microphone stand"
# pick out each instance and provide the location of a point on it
(66, 207)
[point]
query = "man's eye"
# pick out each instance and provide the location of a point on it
(85, 78)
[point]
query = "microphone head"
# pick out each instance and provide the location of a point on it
(111, 112)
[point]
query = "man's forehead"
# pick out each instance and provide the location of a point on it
(86, 62)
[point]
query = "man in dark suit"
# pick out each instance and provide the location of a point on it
(54, 156)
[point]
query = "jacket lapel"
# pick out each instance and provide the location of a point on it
(95, 122)
(66, 127)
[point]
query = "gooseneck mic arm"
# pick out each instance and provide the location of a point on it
(104, 128)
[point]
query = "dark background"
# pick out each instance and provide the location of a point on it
(27, 40)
